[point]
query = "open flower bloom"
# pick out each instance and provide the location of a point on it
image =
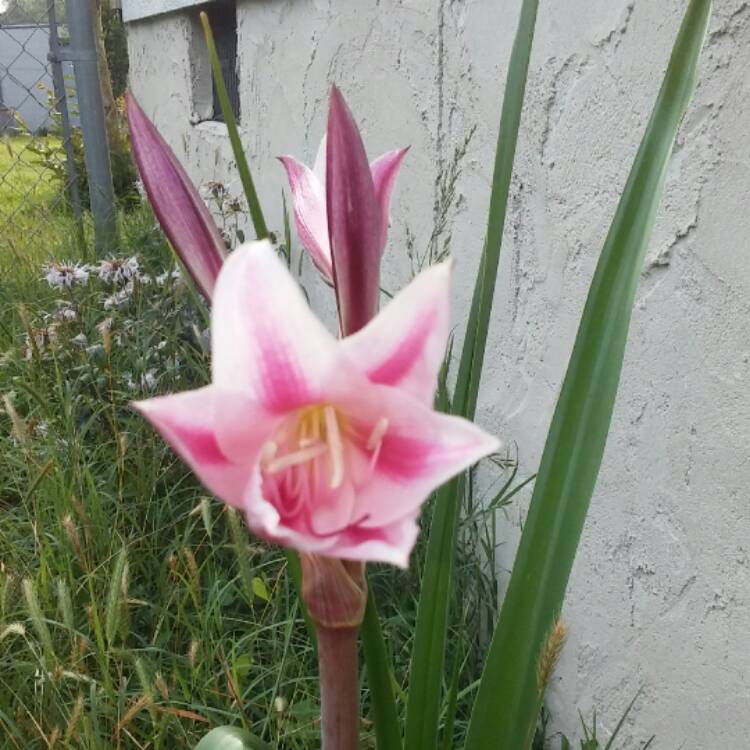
(309, 189)
(329, 445)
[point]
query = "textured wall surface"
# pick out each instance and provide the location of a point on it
(659, 597)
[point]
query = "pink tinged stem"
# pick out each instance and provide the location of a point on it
(179, 208)
(335, 593)
(339, 688)
(354, 219)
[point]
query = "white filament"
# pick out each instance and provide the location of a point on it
(297, 457)
(377, 434)
(335, 447)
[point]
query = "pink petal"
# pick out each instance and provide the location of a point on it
(421, 449)
(404, 345)
(384, 171)
(265, 521)
(319, 168)
(182, 214)
(389, 544)
(266, 341)
(187, 421)
(386, 544)
(354, 219)
(308, 199)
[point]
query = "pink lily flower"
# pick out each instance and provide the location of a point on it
(183, 215)
(330, 446)
(341, 209)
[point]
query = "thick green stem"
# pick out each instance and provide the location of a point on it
(339, 688)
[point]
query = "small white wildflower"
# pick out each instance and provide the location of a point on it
(118, 270)
(66, 315)
(161, 345)
(64, 275)
(129, 382)
(118, 299)
(41, 429)
(161, 279)
(80, 340)
(145, 279)
(148, 380)
(176, 274)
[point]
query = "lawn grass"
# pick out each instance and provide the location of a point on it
(34, 221)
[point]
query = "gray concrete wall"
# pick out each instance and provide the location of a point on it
(659, 594)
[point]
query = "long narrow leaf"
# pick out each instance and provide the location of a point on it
(509, 697)
(256, 213)
(385, 715)
(428, 658)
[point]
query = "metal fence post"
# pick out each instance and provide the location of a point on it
(61, 99)
(82, 52)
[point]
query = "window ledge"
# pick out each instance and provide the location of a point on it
(134, 10)
(212, 128)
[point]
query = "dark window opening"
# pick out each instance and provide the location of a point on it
(223, 18)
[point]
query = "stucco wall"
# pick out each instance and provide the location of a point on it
(659, 594)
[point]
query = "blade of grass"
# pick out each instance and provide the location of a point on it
(295, 571)
(450, 713)
(256, 213)
(509, 697)
(422, 722)
(621, 722)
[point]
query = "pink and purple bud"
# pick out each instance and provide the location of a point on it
(183, 215)
(341, 208)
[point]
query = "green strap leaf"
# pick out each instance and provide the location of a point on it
(426, 678)
(256, 213)
(379, 680)
(509, 696)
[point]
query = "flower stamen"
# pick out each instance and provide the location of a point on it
(296, 458)
(335, 447)
(268, 452)
(377, 434)
(375, 441)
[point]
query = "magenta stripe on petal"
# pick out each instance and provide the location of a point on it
(354, 219)
(408, 353)
(407, 457)
(179, 208)
(284, 386)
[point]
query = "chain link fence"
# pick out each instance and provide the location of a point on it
(40, 142)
